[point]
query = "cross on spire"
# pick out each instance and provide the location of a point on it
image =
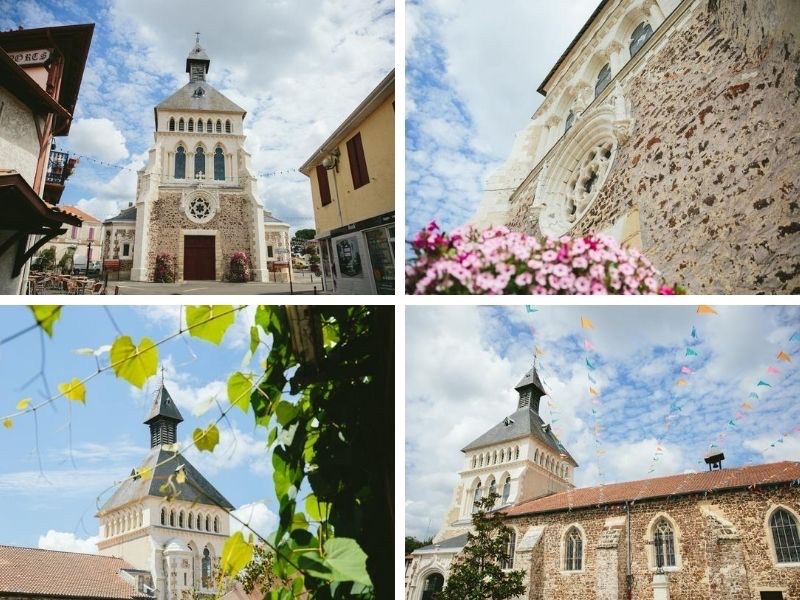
(197, 37)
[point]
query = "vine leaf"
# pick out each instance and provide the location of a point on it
(254, 339)
(73, 390)
(180, 476)
(206, 439)
(134, 364)
(209, 322)
(23, 404)
(239, 386)
(347, 559)
(144, 473)
(7, 423)
(316, 510)
(236, 553)
(46, 315)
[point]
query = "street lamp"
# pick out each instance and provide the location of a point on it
(88, 257)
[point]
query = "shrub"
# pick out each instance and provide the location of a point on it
(240, 267)
(165, 268)
(498, 261)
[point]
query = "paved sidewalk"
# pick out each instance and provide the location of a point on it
(137, 288)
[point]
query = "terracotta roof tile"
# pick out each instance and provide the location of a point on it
(62, 574)
(661, 487)
(77, 212)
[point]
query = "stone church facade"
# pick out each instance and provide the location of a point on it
(673, 126)
(724, 534)
(196, 197)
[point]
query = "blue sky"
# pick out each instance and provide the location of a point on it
(55, 507)
(298, 68)
(472, 73)
(638, 356)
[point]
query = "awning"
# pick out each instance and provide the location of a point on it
(21, 209)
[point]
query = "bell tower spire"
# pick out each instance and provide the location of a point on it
(530, 389)
(163, 418)
(197, 62)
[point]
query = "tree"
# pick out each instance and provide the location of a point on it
(413, 543)
(46, 259)
(258, 572)
(67, 260)
(301, 240)
(477, 572)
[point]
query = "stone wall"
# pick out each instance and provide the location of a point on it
(721, 540)
(711, 171)
(233, 224)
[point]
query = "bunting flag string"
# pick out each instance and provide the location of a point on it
(595, 395)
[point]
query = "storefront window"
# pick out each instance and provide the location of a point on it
(381, 254)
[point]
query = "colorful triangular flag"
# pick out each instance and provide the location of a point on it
(592, 379)
(773, 370)
(784, 357)
(762, 383)
(753, 395)
(690, 352)
(746, 405)
(795, 337)
(686, 370)
(530, 308)
(732, 423)
(539, 351)
(705, 309)
(586, 323)
(588, 345)
(590, 365)
(694, 332)
(681, 382)
(592, 391)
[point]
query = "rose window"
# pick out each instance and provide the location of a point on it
(586, 180)
(200, 209)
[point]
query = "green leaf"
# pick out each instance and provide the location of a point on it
(236, 553)
(131, 363)
(46, 316)
(297, 585)
(73, 390)
(254, 339)
(285, 412)
(330, 335)
(144, 473)
(299, 522)
(206, 439)
(316, 510)
(8, 423)
(23, 404)
(209, 322)
(239, 387)
(347, 560)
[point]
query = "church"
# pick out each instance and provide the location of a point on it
(161, 534)
(196, 198)
(724, 534)
(670, 125)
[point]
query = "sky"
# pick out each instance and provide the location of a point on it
(638, 355)
(471, 78)
(49, 492)
(298, 68)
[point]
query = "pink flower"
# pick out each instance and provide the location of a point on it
(523, 279)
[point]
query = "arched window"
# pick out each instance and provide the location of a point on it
(785, 536)
(639, 36)
(191, 125)
(474, 461)
(433, 583)
(494, 457)
(207, 523)
(172, 123)
(476, 497)
(480, 462)
(227, 125)
(163, 517)
(506, 490)
(664, 543)
(199, 162)
(200, 125)
(502, 455)
(205, 565)
(180, 124)
(209, 126)
(199, 522)
(536, 455)
(493, 487)
(508, 561)
(219, 165)
(180, 163)
(573, 550)
(219, 126)
(180, 520)
(216, 524)
(516, 453)
(570, 121)
(603, 78)
(172, 518)
(190, 518)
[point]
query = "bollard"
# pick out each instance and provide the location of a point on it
(315, 290)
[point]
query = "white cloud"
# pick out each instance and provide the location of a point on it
(257, 516)
(236, 448)
(98, 138)
(68, 542)
(72, 482)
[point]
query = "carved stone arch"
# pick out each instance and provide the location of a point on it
(649, 536)
(505, 487)
(536, 455)
(566, 533)
(793, 515)
(580, 166)
(422, 577)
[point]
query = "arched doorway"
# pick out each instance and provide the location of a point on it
(433, 583)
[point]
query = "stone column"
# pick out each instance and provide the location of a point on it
(660, 587)
(553, 133)
(616, 57)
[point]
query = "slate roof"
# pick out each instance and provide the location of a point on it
(52, 574)
(126, 214)
(211, 99)
(163, 406)
(661, 487)
(163, 463)
(453, 542)
(268, 218)
(531, 377)
(521, 424)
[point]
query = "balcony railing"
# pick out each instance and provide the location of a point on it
(59, 167)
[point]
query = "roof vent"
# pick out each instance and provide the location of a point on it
(508, 421)
(714, 459)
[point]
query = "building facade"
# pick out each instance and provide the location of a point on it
(352, 189)
(196, 197)
(671, 126)
(40, 76)
(170, 527)
(83, 241)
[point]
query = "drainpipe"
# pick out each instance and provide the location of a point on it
(629, 573)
